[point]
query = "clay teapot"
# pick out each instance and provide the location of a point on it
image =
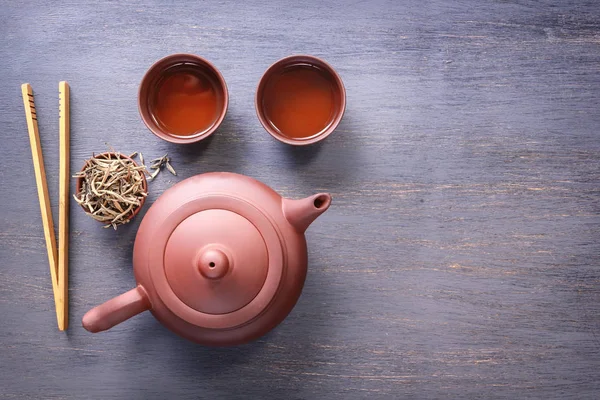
(219, 259)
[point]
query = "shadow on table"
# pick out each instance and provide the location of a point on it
(290, 349)
(334, 162)
(224, 150)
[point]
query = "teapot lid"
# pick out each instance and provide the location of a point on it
(216, 261)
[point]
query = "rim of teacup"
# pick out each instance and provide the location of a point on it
(156, 69)
(290, 61)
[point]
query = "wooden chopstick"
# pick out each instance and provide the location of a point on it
(62, 310)
(58, 257)
(42, 188)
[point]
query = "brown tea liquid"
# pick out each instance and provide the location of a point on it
(299, 102)
(186, 101)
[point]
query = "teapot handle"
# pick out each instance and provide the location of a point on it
(116, 310)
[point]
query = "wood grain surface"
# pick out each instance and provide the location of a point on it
(460, 257)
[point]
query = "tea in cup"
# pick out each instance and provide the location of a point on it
(183, 98)
(300, 100)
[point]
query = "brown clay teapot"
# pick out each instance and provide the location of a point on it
(219, 259)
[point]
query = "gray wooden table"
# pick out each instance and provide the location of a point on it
(460, 257)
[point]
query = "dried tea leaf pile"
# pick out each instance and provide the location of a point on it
(112, 188)
(159, 163)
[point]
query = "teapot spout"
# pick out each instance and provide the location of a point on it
(301, 213)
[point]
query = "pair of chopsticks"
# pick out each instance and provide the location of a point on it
(58, 257)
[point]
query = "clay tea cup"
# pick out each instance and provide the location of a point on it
(183, 98)
(300, 100)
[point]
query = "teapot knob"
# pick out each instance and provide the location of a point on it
(213, 263)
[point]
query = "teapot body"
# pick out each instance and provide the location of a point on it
(219, 259)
